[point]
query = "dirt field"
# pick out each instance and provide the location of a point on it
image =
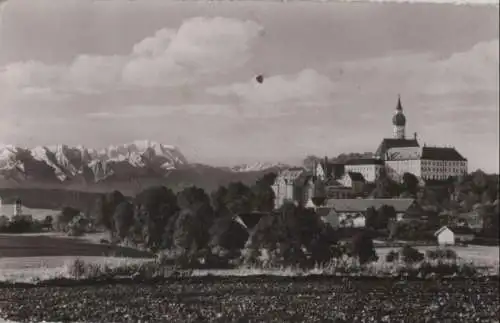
(258, 299)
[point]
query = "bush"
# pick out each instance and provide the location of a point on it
(411, 255)
(392, 256)
(77, 226)
(20, 225)
(48, 222)
(441, 254)
(363, 248)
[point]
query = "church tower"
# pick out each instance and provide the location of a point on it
(399, 122)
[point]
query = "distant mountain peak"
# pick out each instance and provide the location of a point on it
(257, 166)
(62, 163)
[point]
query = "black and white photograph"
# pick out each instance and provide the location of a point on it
(249, 161)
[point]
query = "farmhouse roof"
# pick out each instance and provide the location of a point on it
(361, 205)
(455, 230)
(356, 177)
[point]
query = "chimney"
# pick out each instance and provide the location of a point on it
(415, 135)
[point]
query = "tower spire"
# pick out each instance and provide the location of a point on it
(399, 106)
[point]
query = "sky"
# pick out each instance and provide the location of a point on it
(98, 73)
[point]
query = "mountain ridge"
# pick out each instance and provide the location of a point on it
(129, 167)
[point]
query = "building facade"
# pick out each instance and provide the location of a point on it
(402, 155)
(369, 168)
(290, 185)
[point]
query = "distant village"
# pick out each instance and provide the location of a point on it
(338, 190)
(354, 194)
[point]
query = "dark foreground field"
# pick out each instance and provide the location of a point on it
(258, 299)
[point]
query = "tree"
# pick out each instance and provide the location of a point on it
(263, 194)
(48, 222)
(411, 255)
(66, 215)
(154, 207)
(123, 219)
(410, 183)
(78, 225)
(106, 205)
(490, 216)
(290, 231)
(228, 234)
(218, 199)
(385, 187)
(363, 248)
(385, 214)
(239, 198)
(371, 218)
(197, 202)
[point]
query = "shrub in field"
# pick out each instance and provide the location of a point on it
(411, 255)
(48, 222)
(392, 256)
(77, 226)
(21, 225)
(441, 254)
(363, 248)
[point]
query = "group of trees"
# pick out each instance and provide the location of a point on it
(192, 224)
(187, 222)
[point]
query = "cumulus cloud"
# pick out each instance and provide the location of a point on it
(470, 71)
(307, 86)
(200, 47)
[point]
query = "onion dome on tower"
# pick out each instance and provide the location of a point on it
(399, 118)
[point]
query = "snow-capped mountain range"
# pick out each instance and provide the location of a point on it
(256, 167)
(65, 164)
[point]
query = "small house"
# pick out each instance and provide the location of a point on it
(453, 235)
(352, 212)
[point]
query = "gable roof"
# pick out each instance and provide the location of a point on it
(388, 143)
(361, 205)
(456, 230)
(356, 177)
(441, 153)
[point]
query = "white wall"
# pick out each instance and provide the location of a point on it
(446, 237)
(397, 168)
(332, 218)
(369, 172)
(442, 169)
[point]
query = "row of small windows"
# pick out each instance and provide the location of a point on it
(438, 169)
(442, 162)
